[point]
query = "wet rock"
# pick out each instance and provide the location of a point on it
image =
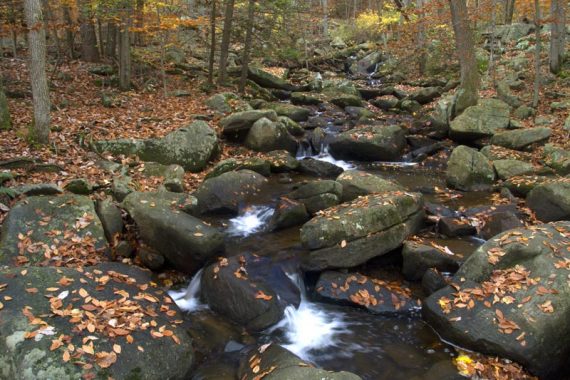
(266, 135)
(319, 168)
(426, 95)
(292, 126)
(191, 147)
(185, 241)
(375, 295)
(279, 364)
(550, 201)
(510, 168)
(34, 359)
(356, 183)
(268, 80)
(249, 290)
(211, 333)
(111, 219)
(469, 170)
(367, 64)
(454, 227)
(226, 192)
(515, 293)
(288, 213)
(521, 139)
(418, 258)
(282, 161)
(432, 281)
(79, 186)
(243, 121)
(254, 164)
(318, 195)
(359, 113)
(352, 233)
(483, 120)
(151, 258)
(374, 143)
(557, 158)
(498, 222)
(443, 370)
(43, 221)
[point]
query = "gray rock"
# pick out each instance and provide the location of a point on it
(319, 168)
(288, 213)
(469, 170)
(504, 93)
(38, 189)
(266, 135)
(499, 222)
(265, 79)
(306, 99)
(521, 139)
(557, 158)
(243, 121)
(550, 201)
(121, 187)
(318, 195)
(371, 143)
(385, 103)
(295, 113)
(356, 183)
(79, 186)
(426, 95)
(511, 168)
(368, 227)
(185, 241)
(111, 218)
(282, 161)
(524, 112)
(483, 120)
(258, 165)
(292, 126)
(227, 102)
(226, 192)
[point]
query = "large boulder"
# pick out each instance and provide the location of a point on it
(319, 168)
(183, 240)
(356, 183)
(227, 192)
(418, 258)
(273, 362)
(266, 135)
(557, 158)
(53, 230)
(318, 195)
(520, 139)
(295, 113)
(469, 170)
(511, 168)
(97, 322)
(372, 143)
(191, 147)
(243, 121)
(426, 94)
(510, 298)
(367, 64)
(249, 290)
(256, 164)
(482, 120)
(352, 233)
(265, 79)
(373, 294)
(550, 201)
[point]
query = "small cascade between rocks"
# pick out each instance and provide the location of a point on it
(309, 327)
(306, 151)
(189, 299)
(253, 220)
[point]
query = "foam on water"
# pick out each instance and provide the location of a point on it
(309, 327)
(307, 152)
(188, 299)
(253, 220)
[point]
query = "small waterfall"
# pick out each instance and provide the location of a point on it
(309, 327)
(254, 220)
(306, 151)
(189, 299)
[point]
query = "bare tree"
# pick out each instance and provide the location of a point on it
(212, 43)
(5, 122)
(125, 46)
(558, 37)
(89, 51)
(247, 47)
(325, 4)
(468, 94)
(226, 39)
(537, 16)
(509, 11)
(37, 52)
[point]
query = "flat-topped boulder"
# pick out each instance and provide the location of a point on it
(370, 143)
(243, 121)
(185, 241)
(350, 234)
(520, 139)
(94, 322)
(510, 299)
(191, 147)
(356, 183)
(483, 120)
(53, 230)
(268, 80)
(318, 195)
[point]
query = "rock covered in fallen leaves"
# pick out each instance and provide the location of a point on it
(273, 362)
(550, 201)
(184, 240)
(375, 295)
(53, 230)
(418, 258)
(469, 170)
(226, 192)
(98, 322)
(510, 298)
(370, 143)
(356, 183)
(249, 290)
(191, 147)
(352, 233)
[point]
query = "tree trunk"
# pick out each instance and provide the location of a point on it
(212, 43)
(226, 37)
(139, 22)
(422, 57)
(247, 47)
(125, 48)
(5, 122)
(89, 52)
(37, 52)
(537, 16)
(68, 32)
(469, 92)
(509, 11)
(558, 37)
(325, 17)
(111, 43)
